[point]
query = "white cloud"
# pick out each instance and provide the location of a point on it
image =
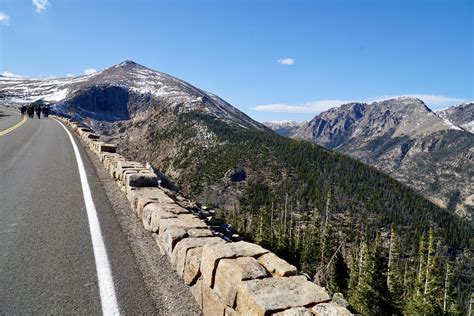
(433, 101)
(10, 74)
(89, 71)
(286, 61)
(4, 18)
(69, 75)
(40, 5)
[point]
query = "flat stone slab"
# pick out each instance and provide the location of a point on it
(230, 272)
(200, 232)
(262, 296)
(213, 253)
(185, 221)
(330, 309)
(178, 257)
(277, 266)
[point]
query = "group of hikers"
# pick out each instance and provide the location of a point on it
(33, 108)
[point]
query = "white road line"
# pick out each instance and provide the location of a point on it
(104, 274)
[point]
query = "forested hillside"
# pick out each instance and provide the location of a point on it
(351, 227)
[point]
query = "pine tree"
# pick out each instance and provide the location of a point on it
(394, 276)
(426, 293)
(372, 297)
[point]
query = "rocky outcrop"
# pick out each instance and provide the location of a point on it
(226, 278)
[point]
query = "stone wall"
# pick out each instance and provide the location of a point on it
(225, 278)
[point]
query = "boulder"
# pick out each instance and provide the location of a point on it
(201, 232)
(230, 311)
(178, 257)
(338, 298)
(196, 292)
(230, 272)
(211, 305)
(330, 309)
(170, 237)
(192, 265)
(213, 253)
(297, 311)
(185, 221)
(142, 179)
(262, 296)
(277, 266)
(152, 216)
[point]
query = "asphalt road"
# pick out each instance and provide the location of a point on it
(47, 263)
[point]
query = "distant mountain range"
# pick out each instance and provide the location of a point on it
(283, 128)
(432, 152)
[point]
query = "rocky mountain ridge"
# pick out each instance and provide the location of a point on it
(461, 115)
(407, 140)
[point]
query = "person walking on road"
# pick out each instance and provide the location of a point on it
(31, 111)
(38, 112)
(45, 111)
(23, 111)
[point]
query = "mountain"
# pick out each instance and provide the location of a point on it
(283, 128)
(461, 115)
(120, 93)
(407, 140)
(314, 207)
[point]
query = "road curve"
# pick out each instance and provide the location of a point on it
(47, 263)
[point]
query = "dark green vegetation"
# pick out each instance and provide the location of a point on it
(333, 217)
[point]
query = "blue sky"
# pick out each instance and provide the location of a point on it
(272, 59)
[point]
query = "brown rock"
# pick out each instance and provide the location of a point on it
(192, 265)
(178, 257)
(136, 196)
(230, 312)
(213, 253)
(152, 217)
(263, 296)
(297, 311)
(196, 292)
(330, 309)
(277, 266)
(211, 305)
(230, 272)
(170, 237)
(185, 221)
(200, 232)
